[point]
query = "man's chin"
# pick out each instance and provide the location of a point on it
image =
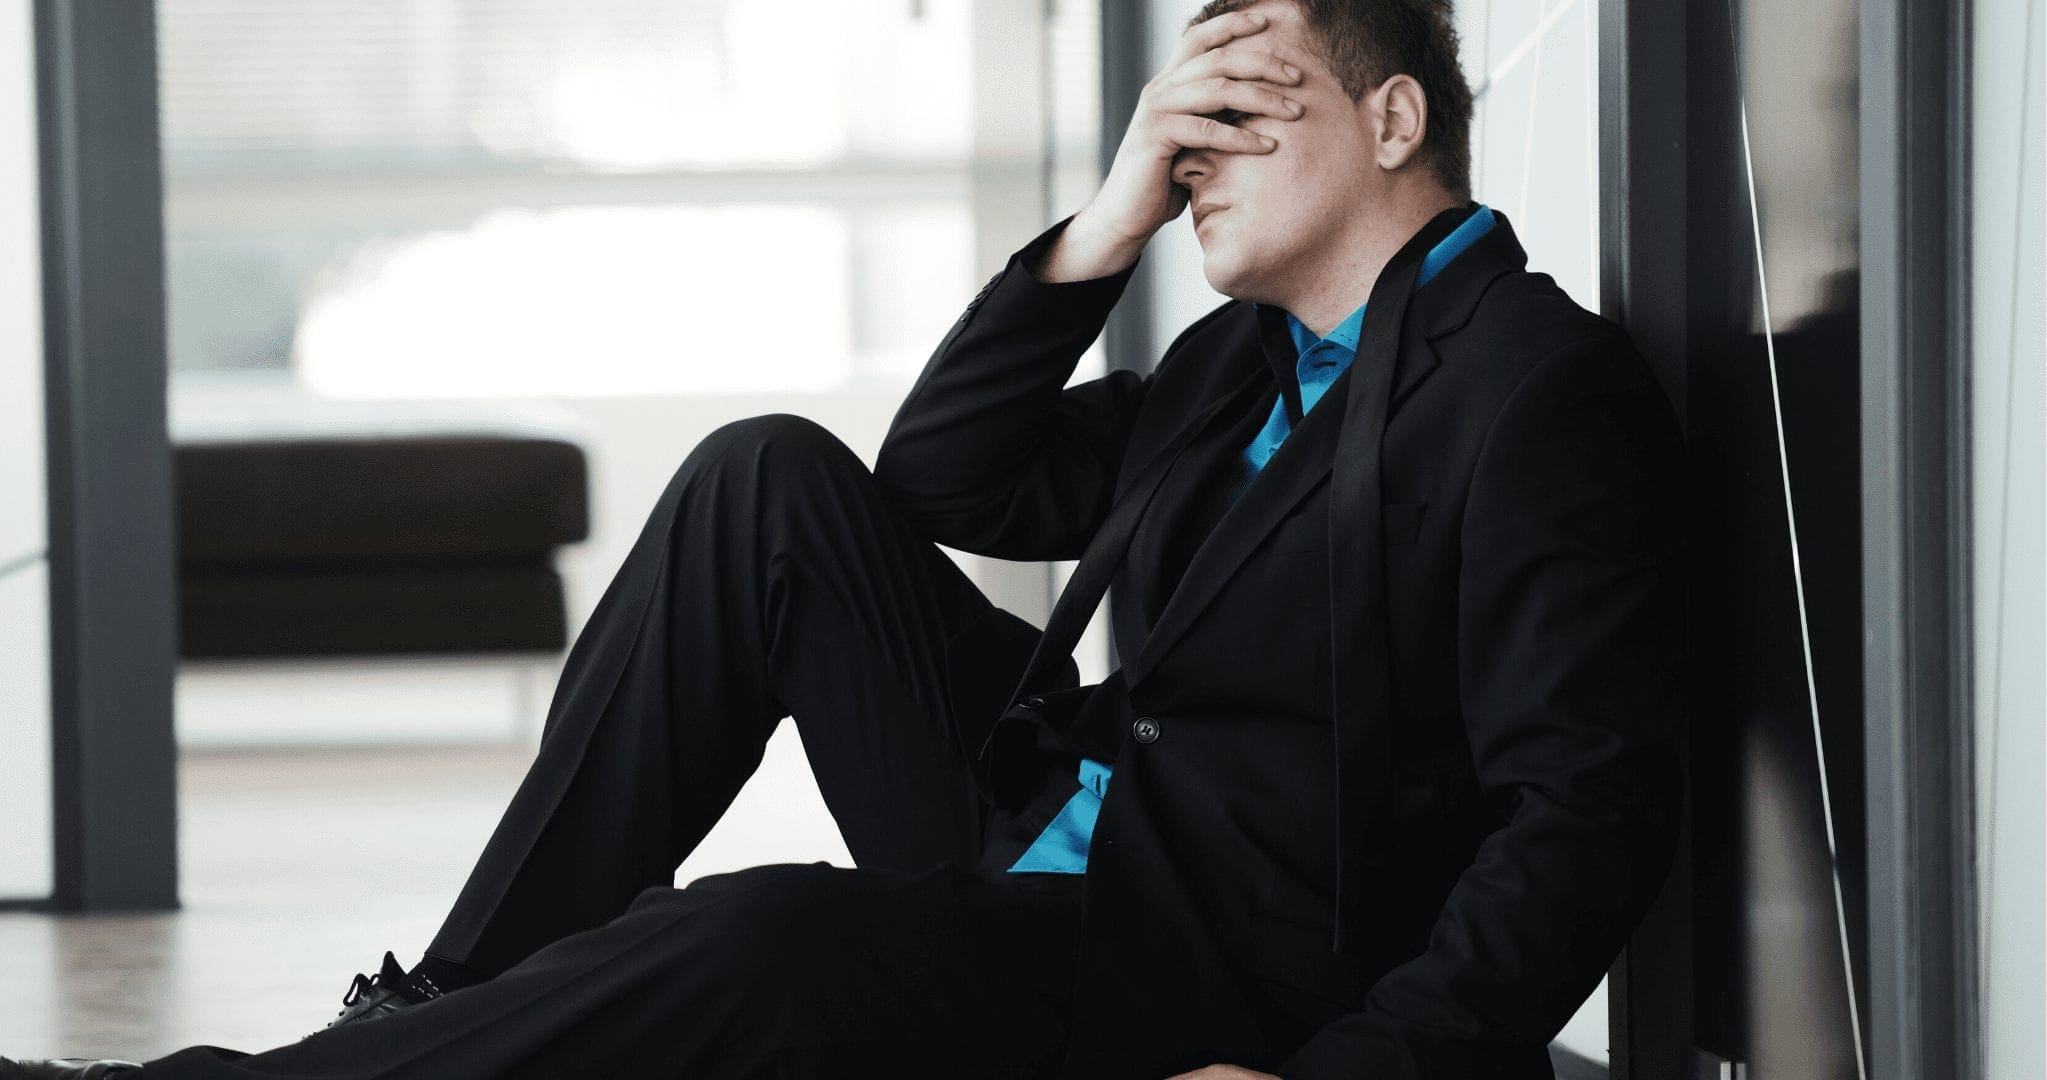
(1229, 278)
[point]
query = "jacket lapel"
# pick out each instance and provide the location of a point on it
(1447, 301)
(1106, 550)
(1300, 464)
(1234, 375)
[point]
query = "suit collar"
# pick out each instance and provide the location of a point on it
(1301, 464)
(1446, 304)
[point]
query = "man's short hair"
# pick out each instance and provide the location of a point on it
(1365, 42)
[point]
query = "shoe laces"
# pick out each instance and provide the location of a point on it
(362, 985)
(386, 979)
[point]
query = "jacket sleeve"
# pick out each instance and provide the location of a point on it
(1571, 664)
(991, 452)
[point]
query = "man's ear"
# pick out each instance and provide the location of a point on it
(1403, 112)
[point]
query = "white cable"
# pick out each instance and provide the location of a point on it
(1797, 573)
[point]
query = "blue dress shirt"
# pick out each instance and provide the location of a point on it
(1062, 847)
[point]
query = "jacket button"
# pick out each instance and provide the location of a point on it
(1032, 702)
(1145, 729)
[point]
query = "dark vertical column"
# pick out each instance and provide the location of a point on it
(113, 644)
(1924, 1011)
(1126, 67)
(1642, 286)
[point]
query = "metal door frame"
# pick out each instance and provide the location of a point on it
(1925, 1015)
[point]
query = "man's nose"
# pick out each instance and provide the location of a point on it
(1189, 165)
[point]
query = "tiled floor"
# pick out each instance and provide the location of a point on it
(299, 869)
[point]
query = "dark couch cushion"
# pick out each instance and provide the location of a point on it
(404, 495)
(309, 610)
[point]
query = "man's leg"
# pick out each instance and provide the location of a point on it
(772, 578)
(787, 971)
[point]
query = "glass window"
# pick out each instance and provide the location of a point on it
(407, 198)
(2008, 357)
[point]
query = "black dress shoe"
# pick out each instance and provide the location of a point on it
(63, 1068)
(372, 996)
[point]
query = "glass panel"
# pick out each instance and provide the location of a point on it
(26, 827)
(591, 299)
(26, 868)
(1779, 903)
(1535, 150)
(2008, 321)
(440, 197)
(22, 495)
(660, 214)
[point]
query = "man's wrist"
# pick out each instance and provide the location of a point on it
(1084, 252)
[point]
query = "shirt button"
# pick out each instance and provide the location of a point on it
(1145, 729)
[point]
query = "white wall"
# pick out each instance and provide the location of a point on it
(2009, 472)
(24, 604)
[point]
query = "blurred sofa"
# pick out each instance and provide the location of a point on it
(346, 564)
(379, 542)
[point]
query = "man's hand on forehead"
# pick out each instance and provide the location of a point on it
(1228, 68)
(1235, 26)
(1234, 46)
(1223, 72)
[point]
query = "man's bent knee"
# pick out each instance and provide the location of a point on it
(771, 442)
(788, 432)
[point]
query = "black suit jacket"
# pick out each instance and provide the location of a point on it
(1511, 796)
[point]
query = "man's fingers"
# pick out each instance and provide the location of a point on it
(1139, 195)
(1202, 132)
(1218, 94)
(1205, 36)
(1237, 63)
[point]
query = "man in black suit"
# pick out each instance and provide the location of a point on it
(1386, 775)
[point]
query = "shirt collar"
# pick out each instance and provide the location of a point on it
(1344, 335)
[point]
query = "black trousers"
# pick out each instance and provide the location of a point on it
(772, 579)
